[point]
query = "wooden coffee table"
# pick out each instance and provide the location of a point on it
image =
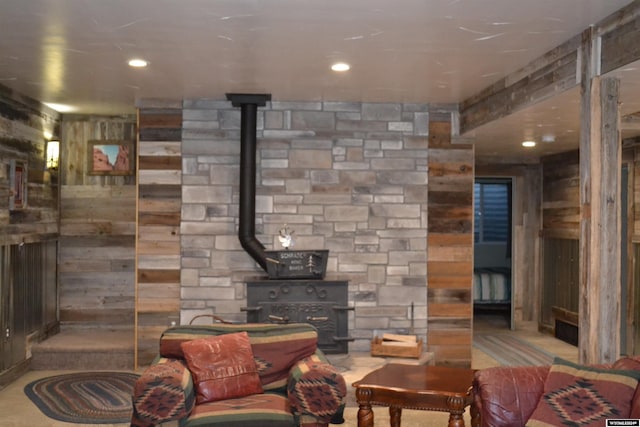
(429, 388)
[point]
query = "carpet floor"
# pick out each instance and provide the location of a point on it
(17, 410)
(520, 352)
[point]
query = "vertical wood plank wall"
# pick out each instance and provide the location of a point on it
(97, 229)
(450, 247)
(561, 213)
(158, 229)
(560, 234)
(561, 196)
(633, 162)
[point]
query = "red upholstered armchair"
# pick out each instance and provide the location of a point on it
(508, 396)
(298, 385)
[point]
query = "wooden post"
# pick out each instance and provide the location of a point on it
(600, 223)
(158, 268)
(450, 245)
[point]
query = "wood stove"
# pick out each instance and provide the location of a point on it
(322, 303)
(293, 292)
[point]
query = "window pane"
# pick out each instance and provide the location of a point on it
(477, 212)
(491, 212)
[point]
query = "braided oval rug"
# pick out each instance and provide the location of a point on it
(85, 397)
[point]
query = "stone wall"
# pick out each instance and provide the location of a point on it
(348, 177)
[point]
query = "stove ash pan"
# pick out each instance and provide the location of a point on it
(288, 264)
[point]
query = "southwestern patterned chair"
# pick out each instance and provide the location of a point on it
(239, 375)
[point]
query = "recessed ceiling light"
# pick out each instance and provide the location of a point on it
(529, 144)
(548, 138)
(340, 66)
(138, 63)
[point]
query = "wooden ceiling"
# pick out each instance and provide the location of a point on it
(75, 52)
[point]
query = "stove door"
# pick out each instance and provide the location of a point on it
(322, 315)
(320, 303)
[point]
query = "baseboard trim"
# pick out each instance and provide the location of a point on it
(14, 372)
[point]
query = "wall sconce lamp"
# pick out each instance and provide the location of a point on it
(53, 154)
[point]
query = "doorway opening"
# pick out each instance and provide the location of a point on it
(492, 278)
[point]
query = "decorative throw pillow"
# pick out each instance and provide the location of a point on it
(576, 395)
(222, 367)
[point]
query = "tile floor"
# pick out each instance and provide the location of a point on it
(16, 410)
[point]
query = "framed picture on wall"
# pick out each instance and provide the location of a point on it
(18, 184)
(110, 157)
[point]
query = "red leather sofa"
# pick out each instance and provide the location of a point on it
(507, 396)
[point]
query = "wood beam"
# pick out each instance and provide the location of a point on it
(630, 122)
(600, 223)
(633, 141)
(549, 75)
(620, 38)
(556, 71)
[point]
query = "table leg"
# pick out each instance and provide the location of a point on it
(365, 413)
(456, 420)
(395, 413)
(456, 407)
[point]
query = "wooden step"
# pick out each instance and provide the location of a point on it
(85, 349)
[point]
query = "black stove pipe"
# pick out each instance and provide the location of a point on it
(249, 104)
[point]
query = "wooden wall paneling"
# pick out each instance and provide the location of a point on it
(158, 233)
(28, 287)
(561, 278)
(159, 218)
(634, 342)
(526, 246)
(628, 160)
(4, 192)
(22, 140)
(561, 195)
(76, 132)
(160, 162)
(158, 227)
(450, 247)
(634, 178)
(97, 229)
